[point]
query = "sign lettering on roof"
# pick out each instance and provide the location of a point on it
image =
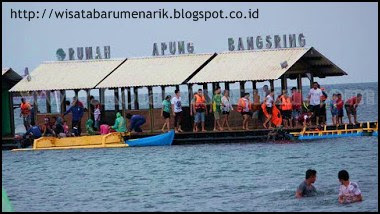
(86, 53)
(268, 42)
(172, 48)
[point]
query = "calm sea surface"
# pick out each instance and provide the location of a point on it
(209, 177)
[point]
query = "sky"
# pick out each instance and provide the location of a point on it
(346, 33)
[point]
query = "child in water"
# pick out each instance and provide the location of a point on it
(349, 192)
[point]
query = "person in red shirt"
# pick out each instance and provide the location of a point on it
(296, 105)
(351, 105)
(339, 105)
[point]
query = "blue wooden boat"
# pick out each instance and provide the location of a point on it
(158, 140)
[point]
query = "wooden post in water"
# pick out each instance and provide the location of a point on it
(150, 94)
(129, 100)
(227, 86)
(116, 98)
(123, 102)
(135, 92)
(48, 104)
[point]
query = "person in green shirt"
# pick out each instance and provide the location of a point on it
(89, 128)
(165, 113)
(216, 108)
(120, 125)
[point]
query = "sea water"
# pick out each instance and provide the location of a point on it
(209, 177)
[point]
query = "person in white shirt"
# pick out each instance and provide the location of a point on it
(269, 104)
(177, 111)
(349, 192)
(314, 99)
(226, 108)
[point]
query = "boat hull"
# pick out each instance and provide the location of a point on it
(311, 137)
(159, 140)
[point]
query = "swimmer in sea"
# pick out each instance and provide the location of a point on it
(306, 188)
(349, 192)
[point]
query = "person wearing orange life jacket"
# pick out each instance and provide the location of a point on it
(200, 109)
(268, 102)
(286, 107)
(25, 113)
(245, 107)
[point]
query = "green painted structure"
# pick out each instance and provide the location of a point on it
(9, 78)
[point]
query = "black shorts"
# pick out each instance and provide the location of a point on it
(269, 110)
(350, 109)
(166, 114)
(340, 112)
(226, 112)
(286, 114)
(248, 113)
(316, 110)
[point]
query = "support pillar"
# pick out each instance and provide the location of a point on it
(254, 85)
(35, 105)
(299, 85)
(12, 111)
(89, 113)
(123, 112)
(116, 98)
(227, 86)
(62, 94)
(271, 84)
(177, 87)
(102, 103)
(284, 83)
(48, 104)
(129, 98)
(242, 88)
(150, 94)
(311, 80)
(190, 92)
(135, 92)
(163, 92)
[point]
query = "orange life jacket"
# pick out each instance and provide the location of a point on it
(242, 104)
(25, 108)
(200, 102)
(286, 103)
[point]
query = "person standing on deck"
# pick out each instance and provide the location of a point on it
(296, 105)
(120, 125)
(192, 110)
(97, 114)
(165, 113)
(200, 109)
(306, 188)
(323, 110)
(136, 121)
(93, 104)
(334, 109)
(216, 108)
(245, 107)
(286, 106)
(269, 101)
(351, 105)
(349, 192)
(77, 112)
(314, 100)
(226, 108)
(256, 105)
(177, 111)
(339, 105)
(25, 113)
(266, 90)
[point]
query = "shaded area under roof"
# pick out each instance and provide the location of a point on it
(264, 65)
(155, 71)
(66, 75)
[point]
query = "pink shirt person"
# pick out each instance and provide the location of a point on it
(104, 129)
